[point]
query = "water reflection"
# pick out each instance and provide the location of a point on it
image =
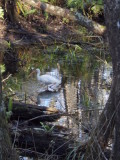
(84, 100)
(83, 93)
(51, 99)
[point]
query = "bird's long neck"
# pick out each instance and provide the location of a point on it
(38, 74)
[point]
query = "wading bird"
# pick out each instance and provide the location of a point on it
(52, 81)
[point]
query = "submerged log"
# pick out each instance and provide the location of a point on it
(41, 139)
(38, 141)
(34, 113)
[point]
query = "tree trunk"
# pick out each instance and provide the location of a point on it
(112, 12)
(65, 13)
(6, 151)
(9, 10)
(111, 114)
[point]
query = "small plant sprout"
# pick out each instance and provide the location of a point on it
(47, 128)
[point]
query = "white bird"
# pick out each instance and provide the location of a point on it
(49, 80)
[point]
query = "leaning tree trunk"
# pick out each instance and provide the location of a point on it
(66, 13)
(110, 117)
(112, 14)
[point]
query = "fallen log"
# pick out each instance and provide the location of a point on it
(37, 139)
(66, 13)
(34, 113)
(36, 142)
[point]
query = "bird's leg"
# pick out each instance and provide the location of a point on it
(50, 87)
(53, 87)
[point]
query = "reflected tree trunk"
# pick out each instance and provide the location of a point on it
(71, 103)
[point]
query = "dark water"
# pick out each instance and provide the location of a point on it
(83, 93)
